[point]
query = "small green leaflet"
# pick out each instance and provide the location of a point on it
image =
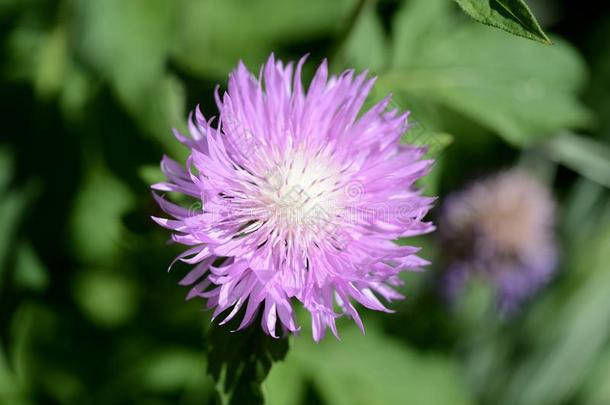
(513, 16)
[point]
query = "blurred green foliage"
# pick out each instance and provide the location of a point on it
(366, 369)
(90, 91)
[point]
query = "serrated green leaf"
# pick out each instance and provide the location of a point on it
(513, 16)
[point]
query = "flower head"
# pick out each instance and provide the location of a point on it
(299, 198)
(501, 229)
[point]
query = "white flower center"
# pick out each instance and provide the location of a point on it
(302, 195)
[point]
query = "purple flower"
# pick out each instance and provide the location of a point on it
(500, 229)
(298, 197)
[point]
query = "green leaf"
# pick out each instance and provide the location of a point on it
(497, 81)
(240, 361)
(512, 16)
(586, 156)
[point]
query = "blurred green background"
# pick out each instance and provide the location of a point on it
(90, 90)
